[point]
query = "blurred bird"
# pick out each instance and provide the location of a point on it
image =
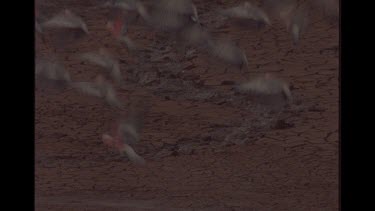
(170, 15)
(100, 89)
(116, 143)
(51, 73)
(194, 35)
(292, 14)
(66, 19)
(229, 52)
(180, 7)
(267, 85)
(130, 128)
(298, 22)
(247, 10)
(127, 5)
(119, 30)
(127, 131)
(104, 59)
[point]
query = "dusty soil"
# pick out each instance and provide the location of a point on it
(206, 147)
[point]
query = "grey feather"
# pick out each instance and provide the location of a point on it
(133, 156)
(246, 11)
(66, 19)
(266, 86)
(228, 52)
(104, 59)
(54, 72)
(101, 90)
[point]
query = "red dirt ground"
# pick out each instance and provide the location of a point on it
(206, 147)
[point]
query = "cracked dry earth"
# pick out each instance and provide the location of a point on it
(206, 147)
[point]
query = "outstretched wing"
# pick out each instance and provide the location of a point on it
(130, 44)
(235, 12)
(87, 88)
(111, 97)
(95, 59)
(66, 19)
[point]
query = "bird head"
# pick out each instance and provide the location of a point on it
(113, 142)
(116, 27)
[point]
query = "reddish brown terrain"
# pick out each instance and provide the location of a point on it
(206, 147)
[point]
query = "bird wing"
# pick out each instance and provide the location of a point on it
(134, 123)
(195, 35)
(125, 5)
(298, 22)
(235, 12)
(226, 50)
(133, 156)
(111, 98)
(264, 85)
(128, 132)
(76, 19)
(51, 70)
(257, 85)
(300, 17)
(60, 20)
(61, 73)
(116, 73)
(258, 14)
(87, 88)
(110, 63)
(95, 59)
(129, 43)
(66, 19)
(287, 92)
(137, 112)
